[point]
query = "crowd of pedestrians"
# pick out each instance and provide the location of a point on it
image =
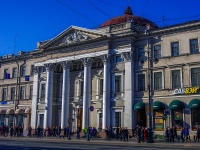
(171, 134)
(16, 131)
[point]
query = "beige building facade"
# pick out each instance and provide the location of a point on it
(100, 77)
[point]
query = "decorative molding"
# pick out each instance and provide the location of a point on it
(127, 56)
(87, 61)
(105, 58)
(49, 67)
(66, 64)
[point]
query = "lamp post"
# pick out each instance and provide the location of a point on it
(149, 82)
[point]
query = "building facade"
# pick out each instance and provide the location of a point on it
(100, 77)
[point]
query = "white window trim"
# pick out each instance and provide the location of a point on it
(181, 80)
(190, 74)
(38, 117)
(137, 74)
(163, 83)
(122, 116)
(40, 90)
(122, 83)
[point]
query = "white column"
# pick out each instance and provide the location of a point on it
(86, 91)
(65, 95)
(48, 96)
(106, 91)
(35, 97)
(129, 90)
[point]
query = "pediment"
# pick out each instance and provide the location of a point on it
(74, 35)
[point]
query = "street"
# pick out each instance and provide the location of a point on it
(51, 144)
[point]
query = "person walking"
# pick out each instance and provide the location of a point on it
(197, 134)
(182, 134)
(11, 131)
(29, 131)
(117, 133)
(187, 135)
(78, 133)
(167, 134)
(67, 133)
(41, 132)
(139, 134)
(175, 133)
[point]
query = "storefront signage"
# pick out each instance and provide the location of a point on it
(3, 103)
(188, 90)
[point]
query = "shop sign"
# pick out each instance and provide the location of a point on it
(4, 103)
(188, 90)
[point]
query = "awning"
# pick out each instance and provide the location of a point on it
(195, 103)
(3, 112)
(19, 111)
(176, 104)
(10, 112)
(28, 111)
(157, 105)
(139, 106)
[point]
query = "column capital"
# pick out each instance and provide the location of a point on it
(105, 58)
(37, 69)
(87, 61)
(66, 64)
(49, 66)
(127, 56)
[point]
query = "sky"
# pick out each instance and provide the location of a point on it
(26, 22)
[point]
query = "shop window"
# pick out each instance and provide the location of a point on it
(20, 120)
(158, 121)
(10, 123)
(2, 120)
(177, 118)
(195, 113)
(117, 119)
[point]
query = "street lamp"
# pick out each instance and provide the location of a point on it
(149, 82)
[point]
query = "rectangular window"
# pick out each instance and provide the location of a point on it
(118, 58)
(157, 80)
(31, 92)
(117, 84)
(6, 73)
(176, 82)
(12, 94)
(194, 46)
(101, 86)
(141, 54)
(22, 92)
(195, 77)
(14, 75)
(117, 119)
(81, 84)
(157, 51)
(141, 82)
(4, 94)
(41, 120)
(32, 69)
(175, 48)
(100, 120)
(23, 71)
(42, 94)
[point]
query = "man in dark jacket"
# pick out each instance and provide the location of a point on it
(197, 134)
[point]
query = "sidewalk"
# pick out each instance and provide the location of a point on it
(131, 142)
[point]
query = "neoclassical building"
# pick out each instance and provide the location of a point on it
(106, 77)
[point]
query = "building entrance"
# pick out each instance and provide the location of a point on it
(141, 118)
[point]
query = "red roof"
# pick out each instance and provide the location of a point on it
(128, 15)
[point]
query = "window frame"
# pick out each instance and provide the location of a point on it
(194, 51)
(175, 50)
(155, 87)
(159, 51)
(172, 83)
